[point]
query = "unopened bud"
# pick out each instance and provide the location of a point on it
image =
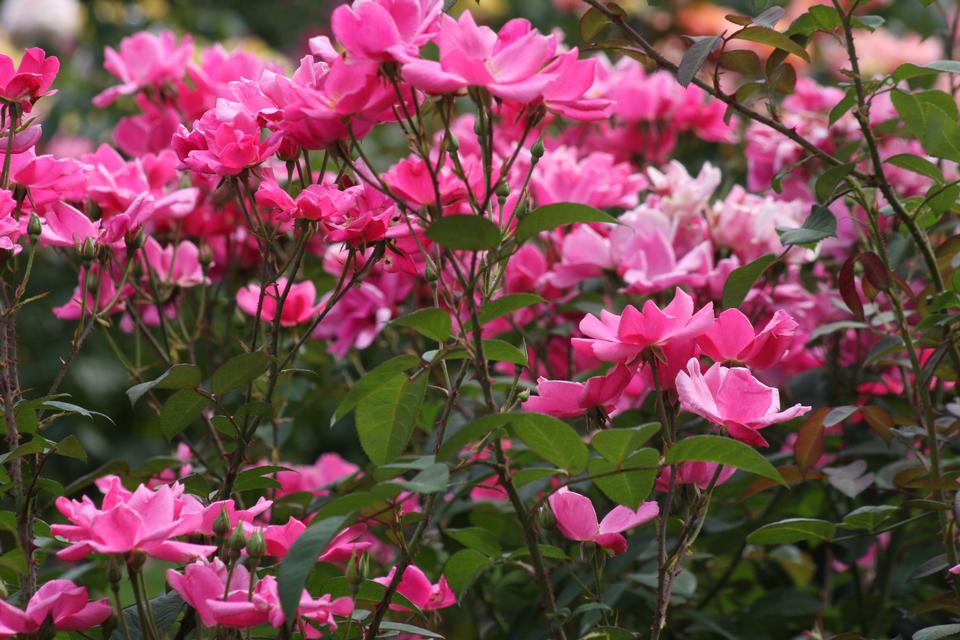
(503, 190)
(537, 149)
(135, 241)
(114, 573)
(88, 250)
(3, 590)
(256, 547)
(352, 574)
(136, 560)
(206, 255)
(523, 395)
(547, 520)
(34, 227)
(237, 540)
(453, 145)
(221, 526)
(429, 273)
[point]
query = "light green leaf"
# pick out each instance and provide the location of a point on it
(766, 35)
(477, 538)
(617, 444)
(627, 488)
(433, 479)
(819, 225)
(432, 323)
(553, 440)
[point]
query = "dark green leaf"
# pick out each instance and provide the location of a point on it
(239, 370)
(695, 56)
(916, 164)
(433, 479)
(477, 538)
(821, 224)
(179, 376)
(556, 215)
(868, 518)
(473, 432)
(386, 416)
(465, 232)
(793, 530)
(742, 279)
(501, 351)
(165, 610)
(179, 411)
(507, 304)
(462, 568)
(302, 557)
(828, 181)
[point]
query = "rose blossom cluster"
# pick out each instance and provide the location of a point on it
(216, 166)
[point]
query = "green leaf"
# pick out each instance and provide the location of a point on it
(372, 380)
(165, 610)
(725, 451)
(507, 304)
(828, 181)
(742, 279)
(239, 370)
(695, 56)
(501, 351)
(433, 479)
(556, 215)
(553, 440)
(868, 518)
(938, 632)
(826, 17)
(477, 538)
(908, 71)
(842, 107)
(766, 35)
(69, 407)
(743, 61)
(179, 411)
(793, 530)
(71, 447)
(410, 629)
(432, 323)
(386, 417)
(472, 433)
(617, 444)
(465, 232)
(302, 557)
(592, 23)
(917, 165)
(821, 224)
(627, 488)
(179, 376)
(462, 569)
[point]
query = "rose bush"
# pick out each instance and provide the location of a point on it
(637, 336)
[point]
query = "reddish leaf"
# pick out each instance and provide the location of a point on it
(809, 445)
